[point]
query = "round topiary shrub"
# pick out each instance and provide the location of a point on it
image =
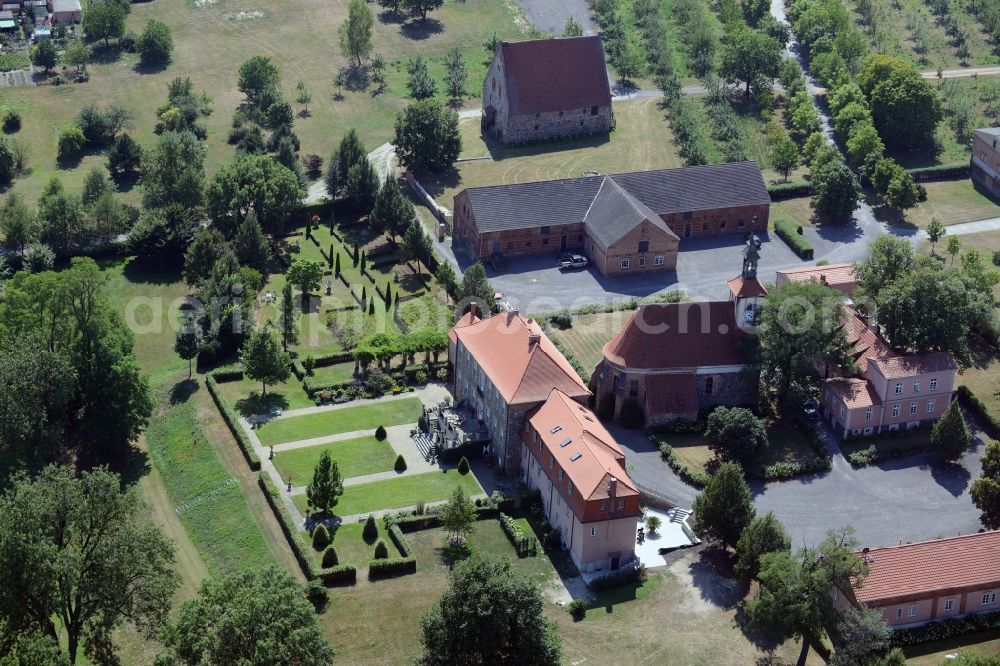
(321, 537)
(381, 550)
(400, 465)
(12, 121)
(463, 466)
(578, 609)
(318, 595)
(330, 558)
(380, 433)
(370, 530)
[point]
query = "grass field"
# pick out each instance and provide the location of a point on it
(352, 547)
(797, 211)
(211, 40)
(244, 394)
(205, 495)
(952, 202)
(785, 444)
(641, 140)
(354, 457)
(986, 643)
(348, 419)
(400, 492)
(589, 333)
(333, 374)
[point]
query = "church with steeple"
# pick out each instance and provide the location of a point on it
(676, 360)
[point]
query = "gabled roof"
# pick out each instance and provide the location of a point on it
(854, 392)
(543, 75)
(591, 457)
(907, 366)
(614, 213)
(463, 321)
(837, 276)
(664, 336)
(519, 358)
(865, 342)
(969, 562)
(742, 287)
(662, 191)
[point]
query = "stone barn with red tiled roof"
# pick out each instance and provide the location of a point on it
(547, 88)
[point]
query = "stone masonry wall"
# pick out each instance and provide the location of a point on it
(555, 124)
(718, 221)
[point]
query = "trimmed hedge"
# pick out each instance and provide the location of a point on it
(789, 190)
(619, 578)
(978, 408)
(344, 574)
(523, 544)
(788, 233)
(401, 566)
(787, 470)
(872, 456)
(940, 172)
(300, 545)
(688, 475)
(233, 421)
(224, 376)
(397, 538)
(945, 629)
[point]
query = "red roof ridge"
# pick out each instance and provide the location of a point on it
(957, 537)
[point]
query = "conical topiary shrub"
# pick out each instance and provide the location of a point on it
(380, 433)
(321, 537)
(381, 550)
(400, 465)
(370, 530)
(463, 465)
(330, 558)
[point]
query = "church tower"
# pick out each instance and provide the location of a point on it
(746, 292)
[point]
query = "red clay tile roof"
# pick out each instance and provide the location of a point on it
(746, 288)
(592, 455)
(463, 321)
(854, 392)
(671, 394)
(907, 366)
(866, 343)
(662, 336)
(519, 358)
(838, 276)
(544, 75)
(970, 561)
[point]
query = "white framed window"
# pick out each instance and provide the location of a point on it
(593, 531)
(625, 263)
(913, 408)
(895, 411)
(989, 598)
(948, 605)
(869, 430)
(868, 414)
(899, 387)
(604, 505)
(913, 611)
(916, 387)
(933, 383)
(658, 260)
(930, 406)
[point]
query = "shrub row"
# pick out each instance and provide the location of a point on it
(946, 629)
(523, 544)
(978, 408)
(940, 172)
(688, 475)
(407, 524)
(223, 376)
(680, 426)
(787, 470)
(619, 578)
(400, 566)
(233, 421)
(345, 574)
(872, 456)
(400, 541)
(298, 370)
(334, 359)
(781, 191)
(799, 245)
(298, 542)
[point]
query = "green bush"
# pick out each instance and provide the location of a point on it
(309, 364)
(380, 433)
(11, 121)
(370, 531)
(978, 408)
(71, 142)
(400, 465)
(344, 574)
(940, 172)
(800, 246)
(330, 558)
(381, 550)
(396, 567)
(321, 537)
(688, 475)
(296, 538)
(317, 595)
(789, 190)
(463, 465)
(631, 416)
(396, 535)
(946, 629)
(562, 319)
(578, 609)
(619, 578)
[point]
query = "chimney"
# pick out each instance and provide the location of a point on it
(533, 340)
(865, 550)
(822, 278)
(612, 488)
(472, 310)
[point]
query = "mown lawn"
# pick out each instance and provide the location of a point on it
(785, 444)
(333, 374)
(400, 492)
(952, 202)
(206, 497)
(245, 395)
(354, 457)
(334, 421)
(352, 547)
(985, 643)
(589, 333)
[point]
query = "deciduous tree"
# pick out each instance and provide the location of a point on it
(187, 342)
(986, 489)
(306, 275)
(835, 191)
(262, 359)
(155, 43)
(252, 184)
(419, 82)
(427, 137)
(356, 31)
(736, 435)
(459, 514)
(173, 171)
(104, 20)
(456, 74)
(752, 58)
(785, 157)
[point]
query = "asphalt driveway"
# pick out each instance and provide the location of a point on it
(916, 498)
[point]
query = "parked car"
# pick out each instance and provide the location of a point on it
(809, 410)
(574, 261)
